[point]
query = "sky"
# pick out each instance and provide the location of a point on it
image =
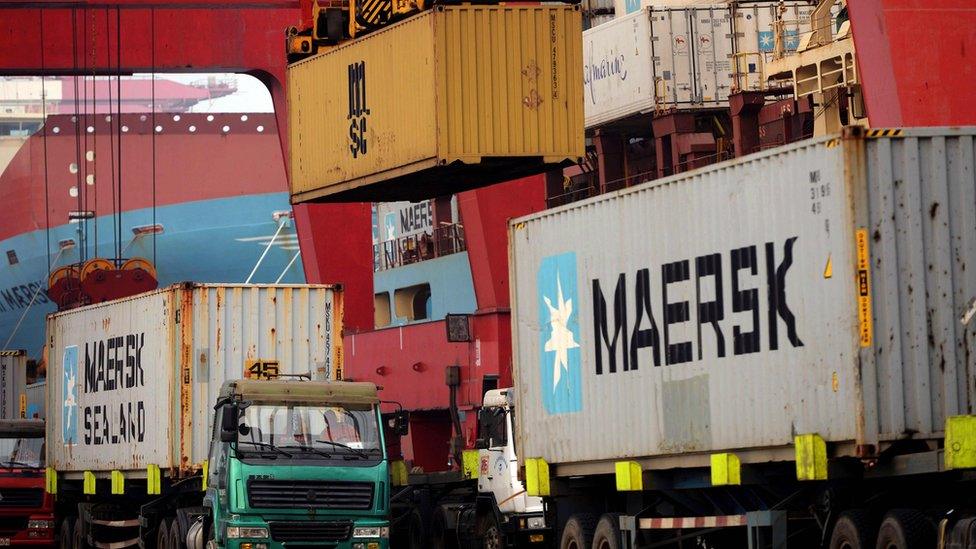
(251, 95)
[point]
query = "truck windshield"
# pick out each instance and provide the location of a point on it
(311, 432)
(21, 452)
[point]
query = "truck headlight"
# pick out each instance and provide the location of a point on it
(536, 523)
(371, 532)
(237, 532)
(40, 524)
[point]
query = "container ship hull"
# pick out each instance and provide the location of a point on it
(217, 209)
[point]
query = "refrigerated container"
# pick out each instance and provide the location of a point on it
(664, 57)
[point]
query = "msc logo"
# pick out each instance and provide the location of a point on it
(358, 111)
(560, 370)
(69, 396)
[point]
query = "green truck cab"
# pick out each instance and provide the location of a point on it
(295, 464)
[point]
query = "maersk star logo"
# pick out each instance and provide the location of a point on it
(69, 395)
(561, 339)
(559, 343)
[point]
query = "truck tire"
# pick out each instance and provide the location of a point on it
(162, 534)
(175, 541)
(440, 537)
(491, 534)
(853, 530)
(906, 529)
(578, 532)
(78, 540)
(66, 533)
(415, 531)
(607, 533)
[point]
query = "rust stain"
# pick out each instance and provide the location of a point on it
(533, 100)
(186, 374)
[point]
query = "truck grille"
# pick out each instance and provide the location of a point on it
(11, 526)
(277, 494)
(333, 530)
(21, 497)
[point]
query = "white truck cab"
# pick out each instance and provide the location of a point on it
(498, 469)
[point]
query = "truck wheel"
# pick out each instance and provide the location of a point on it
(415, 531)
(906, 529)
(440, 537)
(491, 534)
(176, 539)
(162, 534)
(578, 532)
(852, 531)
(66, 534)
(607, 534)
(78, 541)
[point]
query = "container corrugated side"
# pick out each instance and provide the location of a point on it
(13, 382)
(140, 384)
(748, 271)
(478, 91)
(299, 326)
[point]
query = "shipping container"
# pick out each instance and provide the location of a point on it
(13, 383)
(36, 397)
(136, 379)
(685, 58)
(456, 97)
(823, 288)
(657, 59)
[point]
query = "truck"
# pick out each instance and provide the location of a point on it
(483, 503)
(26, 511)
(776, 351)
(143, 443)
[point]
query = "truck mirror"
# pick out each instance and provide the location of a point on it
(228, 423)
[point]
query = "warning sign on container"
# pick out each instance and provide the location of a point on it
(864, 316)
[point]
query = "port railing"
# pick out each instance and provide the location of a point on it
(406, 250)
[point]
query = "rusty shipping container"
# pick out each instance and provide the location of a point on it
(13, 384)
(133, 382)
(454, 98)
(825, 287)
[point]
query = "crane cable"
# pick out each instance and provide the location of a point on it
(94, 150)
(152, 34)
(118, 124)
(78, 125)
(118, 99)
(47, 200)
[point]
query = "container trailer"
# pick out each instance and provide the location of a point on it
(210, 406)
(775, 350)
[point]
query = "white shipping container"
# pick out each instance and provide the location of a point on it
(657, 59)
(136, 379)
(13, 383)
(667, 57)
(819, 288)
(36, 395)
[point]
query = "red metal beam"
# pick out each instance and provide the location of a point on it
(916, 60)
(83, 37)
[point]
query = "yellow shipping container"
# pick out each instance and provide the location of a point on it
(451, 99)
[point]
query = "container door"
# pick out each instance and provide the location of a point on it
(712, 29)
(673, 73)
